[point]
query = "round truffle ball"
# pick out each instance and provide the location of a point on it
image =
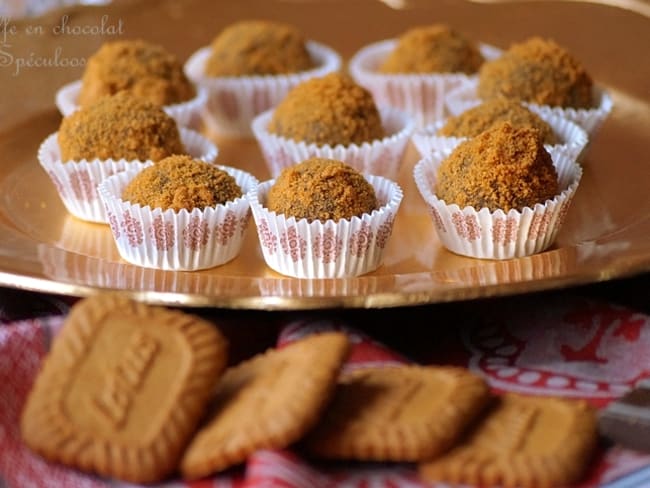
(502, 168)
(321, 189)
(142, 68)
(435, 48)
(119, 126)
(258, 47)
(492, 112)
(180, 182)
(332, 109)
(539, 71)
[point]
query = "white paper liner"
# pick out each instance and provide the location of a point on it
(497, 235)
(349, 247)
(422, 95)
(465, 97)
(186, 114)
(573, 138)
(233, 101)
(382, 157)
(76, 181)
(182, 241)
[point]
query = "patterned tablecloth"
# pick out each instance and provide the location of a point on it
(575, 344)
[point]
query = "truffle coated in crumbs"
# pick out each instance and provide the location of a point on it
(180, 182)
(142, 68)
(258, 47)
(492, 112)
(119, 126)
(539, 71)
(501, 168)
(434, 48)
(332, 109)
(321, 189)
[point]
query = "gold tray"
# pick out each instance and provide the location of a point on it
(606, 235)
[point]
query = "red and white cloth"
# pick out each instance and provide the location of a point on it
(576, 348)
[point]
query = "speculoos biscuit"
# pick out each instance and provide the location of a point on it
(267, 402)
(403, 413)
(123, 388)
(523, 441)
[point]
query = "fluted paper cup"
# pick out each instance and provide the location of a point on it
(76, 181)
(572, 138)
(480, 233)
(234, 101)
(464, 97)
(170, 240)
(422, 95)
(186, 114)
(346, 248)
(382, 157)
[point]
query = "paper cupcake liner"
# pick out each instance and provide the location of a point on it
(498, 235)
(76, 181)
(381, 157)
(183, 241)
(422, 95)
(234, 101)
(186, 114)
(349, 247)
(464, 97)
(573, 137)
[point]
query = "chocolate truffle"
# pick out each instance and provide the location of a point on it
(332, 109)
(321, 189)
(119, 126)
(502, 168)
(180, 182)
(435, 48)
(492, 112)
(258, 47)
(539, 71)
(142, 68)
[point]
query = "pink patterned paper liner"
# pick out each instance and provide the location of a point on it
(573, 138)
(382, 157)
(186, 114)
(234, 101)
(187, 241)
(464, 97)
(498, 235)
(76, 181)
(422, 95)
(349, 247)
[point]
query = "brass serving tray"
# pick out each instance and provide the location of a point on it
(606, 235)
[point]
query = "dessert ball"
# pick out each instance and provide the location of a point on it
(180, 182)
(321, 189)
(332, 109)
(435, 48)
(502, 168)
(539, 71)
(119, 126)
(258, 47)
(492, 112)
(142, 68)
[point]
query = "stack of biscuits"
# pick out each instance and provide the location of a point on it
(142, 393)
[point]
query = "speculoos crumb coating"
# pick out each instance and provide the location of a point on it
(436, 48)
(321, 189)
(539, 71)
(331, 109)
(119, 126)
(258, 47)
(142, 68)
(492, 112)
(181, 182)
(502, 168)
